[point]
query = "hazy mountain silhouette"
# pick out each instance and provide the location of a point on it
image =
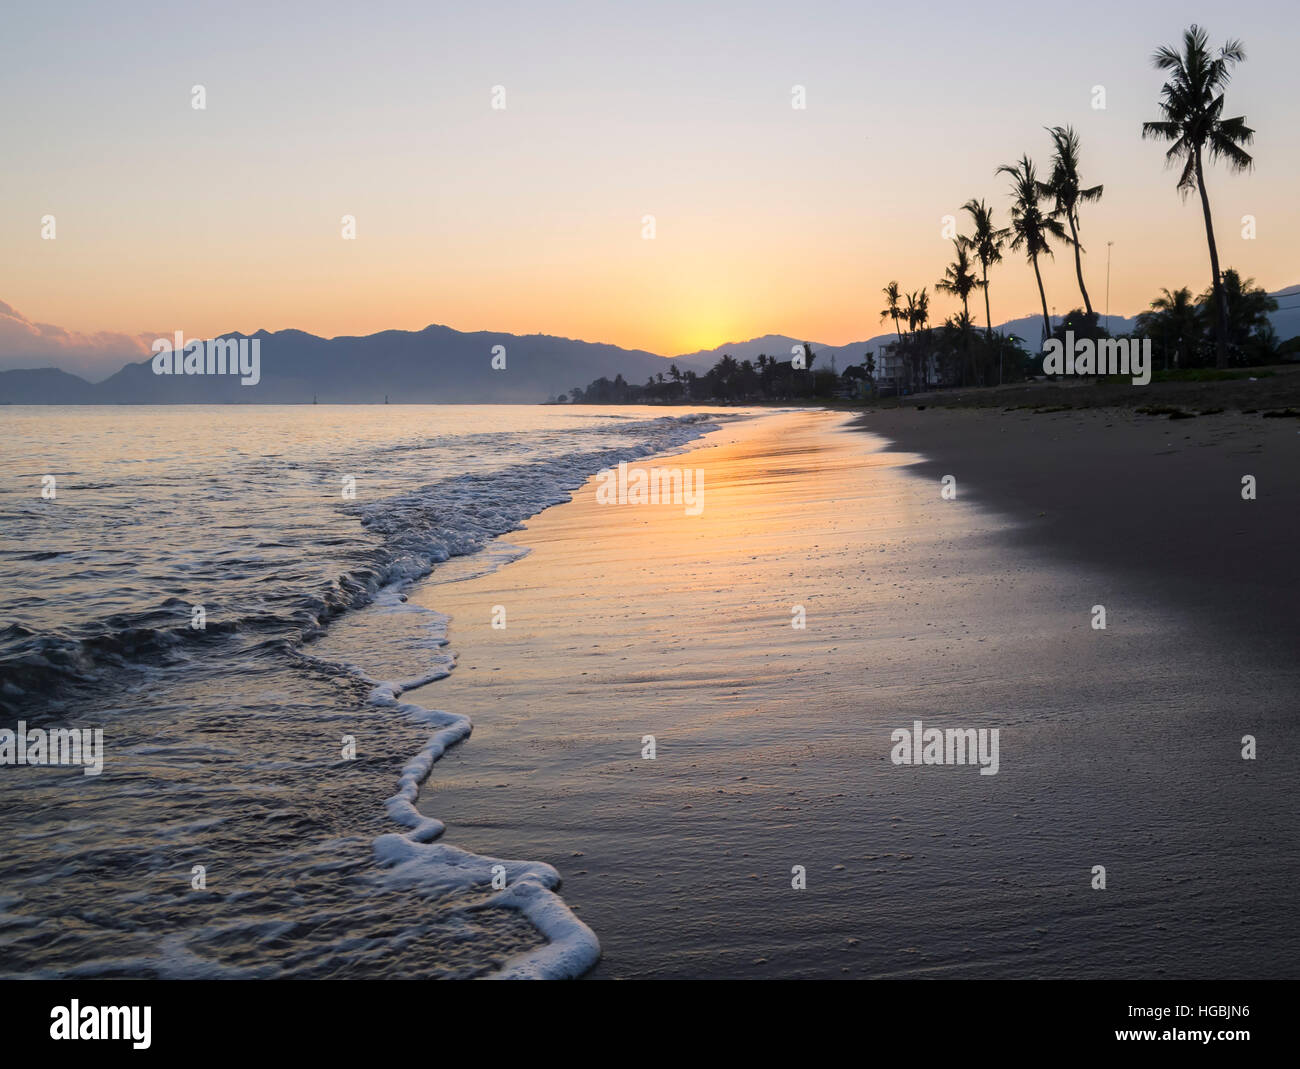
(439, 364)
(43, 386)
(436, 364)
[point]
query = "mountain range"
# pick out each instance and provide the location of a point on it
(438, 364)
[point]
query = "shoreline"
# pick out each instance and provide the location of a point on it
(773, 743)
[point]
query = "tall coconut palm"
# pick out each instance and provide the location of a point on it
(1192, 107)
(987, 245)
(1063, 189)
(959, 281)
(1031, 227)
(893, 308)
(918, 315)
(917, 312)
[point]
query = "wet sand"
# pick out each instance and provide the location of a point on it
(1119, 747)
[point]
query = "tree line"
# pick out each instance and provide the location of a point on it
(1226, 325)
(729, 379)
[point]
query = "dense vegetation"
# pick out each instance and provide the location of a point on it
(728, 380)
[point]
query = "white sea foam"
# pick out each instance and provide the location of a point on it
(455, 518)
(416, 857)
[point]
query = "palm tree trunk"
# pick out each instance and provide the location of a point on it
(901, 357)
(1078, 265)
(1220, 301)
(987, 317)
(1042, 295)
(965, 338)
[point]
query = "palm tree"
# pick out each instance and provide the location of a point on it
(959, 281)
(1064, 190)
(1247, 307)
(727, 367)
(893, 296)
(917, 314)
(1030, 226)
(1173, 318)
(918, 310)
(987, 245)
(1192, 105)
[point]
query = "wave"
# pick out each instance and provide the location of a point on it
(415, 531)
(408, 535)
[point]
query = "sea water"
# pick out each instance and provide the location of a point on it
(221, 591)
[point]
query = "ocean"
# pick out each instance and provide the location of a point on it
(222, 592)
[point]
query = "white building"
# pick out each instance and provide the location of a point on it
(892, 369)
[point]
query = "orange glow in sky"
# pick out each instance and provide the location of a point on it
(768, 218)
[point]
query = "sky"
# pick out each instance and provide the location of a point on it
(531, 218)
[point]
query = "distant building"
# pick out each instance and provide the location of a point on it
(892, 370)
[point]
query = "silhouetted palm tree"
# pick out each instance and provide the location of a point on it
(1030, 226)
(959, 281)
(1065, 192)
(892, 309)
(1247, 307)
(1173, 318)
(1192, 105)
(987, 245)
(918, 315)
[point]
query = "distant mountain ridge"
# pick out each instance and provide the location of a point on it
(439, 364)
(436, 364)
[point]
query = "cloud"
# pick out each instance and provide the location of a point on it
(24, 344)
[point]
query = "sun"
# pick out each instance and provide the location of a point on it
(701, 336)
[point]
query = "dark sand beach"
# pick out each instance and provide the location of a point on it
(1156, 503)
(1119, 747)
